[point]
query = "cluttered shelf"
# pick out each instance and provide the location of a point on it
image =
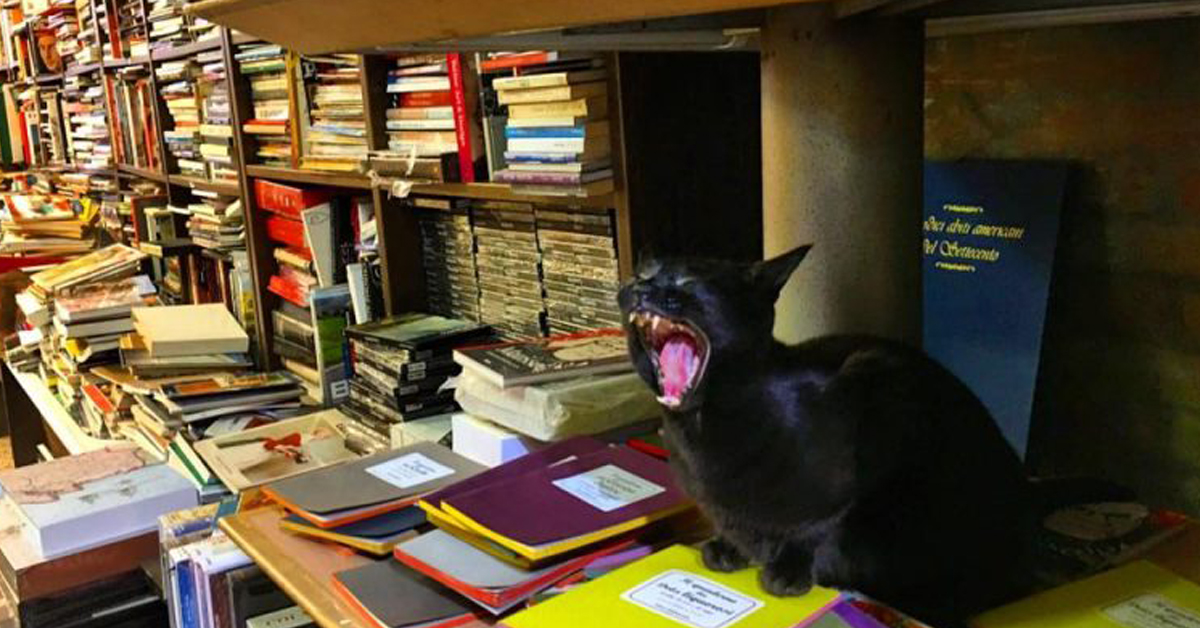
(73, 438)
(197, 183)
(316, 177)
(144, 173)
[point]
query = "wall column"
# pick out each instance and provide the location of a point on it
(842, 153)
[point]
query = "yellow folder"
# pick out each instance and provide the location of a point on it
(673, 589)
(1138, 595)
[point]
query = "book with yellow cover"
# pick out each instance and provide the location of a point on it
(1138, 595)
(673, 589)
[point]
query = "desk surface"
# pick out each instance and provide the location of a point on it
(304, 568)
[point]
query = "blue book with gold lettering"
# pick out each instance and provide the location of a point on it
(990, 231)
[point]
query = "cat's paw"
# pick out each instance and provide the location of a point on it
(783, 582)
(721, 556)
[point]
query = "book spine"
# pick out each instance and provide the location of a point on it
(462, 129)
(516, 61)
(548, 132)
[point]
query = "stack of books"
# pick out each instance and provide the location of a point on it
(399, 365)
(168, 26)
(136, 137)
(266, 67)
(580, 268)
(90, 319)
(336, 137)
(509, 262)
(74, 547)
(216, 130)
(369, 490)
(131, 29)
(87, 137)
(448, 252)
(433, 131)
(420, 117)
(557, 135)
(208, 578)
(295, 275)
(60, 17)
(216, 221)
(88, 50)
(42, 225)
(182, 131)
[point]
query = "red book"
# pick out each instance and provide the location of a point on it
(462, 121)
(506, 62)
(426, 99)
(286, 231)
(287, 291)
(288, 200)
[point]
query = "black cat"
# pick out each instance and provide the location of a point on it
(852, 462)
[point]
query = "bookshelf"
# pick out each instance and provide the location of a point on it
(634, 210)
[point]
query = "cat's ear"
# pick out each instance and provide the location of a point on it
(771, 275)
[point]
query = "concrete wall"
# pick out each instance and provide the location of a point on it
(1120, 387)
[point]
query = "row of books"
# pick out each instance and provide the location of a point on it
(84, 106)
(525, 270)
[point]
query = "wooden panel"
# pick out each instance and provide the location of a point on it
(400, 255)
(257, 248)
(318, 26)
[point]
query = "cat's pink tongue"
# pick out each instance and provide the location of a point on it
(675, 362)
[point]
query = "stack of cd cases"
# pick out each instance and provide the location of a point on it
(509, 267)
(580, 268)
(448, 249)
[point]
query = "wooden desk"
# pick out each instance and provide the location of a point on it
(302, 568)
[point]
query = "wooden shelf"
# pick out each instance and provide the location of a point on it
(365, 24)
(504, 192)
(314, 177)
(153, 175)
(76, 70)
(197, 183)
(186, 50)
(124, 63)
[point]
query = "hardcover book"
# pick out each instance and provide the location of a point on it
(78, 502)
(541, 361)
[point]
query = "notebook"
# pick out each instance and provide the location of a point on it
(377, 535)
(360, 489)
(390, 595)
(673, 589)
(1138, 595)
(580, 501)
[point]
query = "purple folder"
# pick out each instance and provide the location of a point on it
(539, 459)
(532, 510)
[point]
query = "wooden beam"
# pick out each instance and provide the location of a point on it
(849, 8)
(321, 26)
(973, 24)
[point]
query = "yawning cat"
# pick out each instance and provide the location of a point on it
(847, 461)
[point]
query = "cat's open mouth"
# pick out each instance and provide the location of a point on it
(678, 350)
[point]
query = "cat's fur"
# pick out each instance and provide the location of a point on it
(851, 462)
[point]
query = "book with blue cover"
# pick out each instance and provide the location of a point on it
(990, 232)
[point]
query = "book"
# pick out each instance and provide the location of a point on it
(553, 359)
(594, 106)
(389, 595)
(1138, 594)
(551, 93)
(289, 200)
(488, 581)
(79, 502)
(377, 535)
(416, 331)
(370, 486)
(672, 588)
(185, 330)
(551, 79)
(588, 499)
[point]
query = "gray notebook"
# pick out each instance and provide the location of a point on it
(408, 472)
(394, 596)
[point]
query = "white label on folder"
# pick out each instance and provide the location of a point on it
(609, 487)
(408, 471)
(692, 600)
(1152, 611)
